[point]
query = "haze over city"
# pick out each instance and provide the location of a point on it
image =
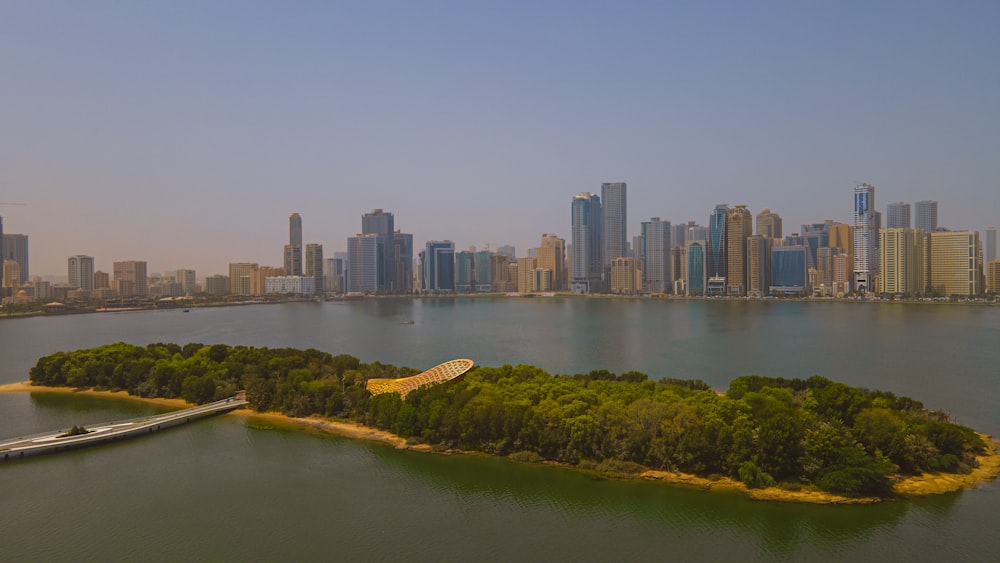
(185, 133)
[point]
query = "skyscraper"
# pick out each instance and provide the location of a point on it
(897, 215)
(695, 281)
(587, 264)
(293, 250)
(657, 262)
(240, 275)
(187, 280)
(789, 270)
(402, 244)
(739, 227)
(381, 223)
(15, 247)
(465, 271)
(439, 266)
(615, 232)
(926, 215)
(552, 256)
(768, 224)
(484, 271)
(362, 257)
(716, 262)
(901, 261)
(314, 266)
(956, 263)
(80, 271)
(758, 265)
(130, 278)
(864, 237)
(991, 244)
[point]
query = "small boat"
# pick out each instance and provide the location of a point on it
(406, 322)
(187, 310)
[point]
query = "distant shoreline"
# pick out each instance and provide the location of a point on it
(926, 484)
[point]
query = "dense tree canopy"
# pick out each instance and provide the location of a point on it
(762, 431)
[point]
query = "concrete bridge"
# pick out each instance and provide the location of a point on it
(103, 433)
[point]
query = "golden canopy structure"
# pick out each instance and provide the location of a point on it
(437, 374)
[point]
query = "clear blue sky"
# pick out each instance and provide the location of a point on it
(185, 133)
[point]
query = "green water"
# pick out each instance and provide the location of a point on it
(232, 489)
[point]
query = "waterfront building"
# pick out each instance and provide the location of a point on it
(541, 280)
(991, 244)
(525, 273)
(716, 261)
(439, 266)
(382, 224)
(102, 280)
(217, 285)
(897, 215)
(901, 256)
(657, 261)
(483, 261)
(15, 247)
(293, 250)
(130, 277)
(678, 266)
(926, 215)
(626, 276)
(465, 271)
(587, 262)
(696, 280)
(187, 280)
(240, 277)
(363, 257)
(503, 281)
(739, 227)
(993, 277)
(790, 270)
(816, 236)
(758, 255)
(11, 274)
(552, 256)
(841, 267)
(258, 278)
(80, 271)
(615, 231)
(956, 263)
(334, 275)
(290, 285)
(314, 266)
(865, 237)
(402, 244)
(768, 224)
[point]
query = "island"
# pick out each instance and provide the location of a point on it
(806, 440)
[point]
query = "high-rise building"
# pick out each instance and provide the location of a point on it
(484, 271)
(758, 265)
(130, 278)
(552, 256)
(926, 215)
(790, 270)
(293, 250)
(993, 277)
(80, 269)
(991, 244)
(240, 276)
(217, 285)
(314, 266)
(402, 244)
(626, 275)
(11, 274)
(15, 247)
(739, 227)
(363, 257)
(507, 250)
(696, 232)
(615, 231)
(956, 263)
(187, 280)
(841, 267)
(716, 263)
(465, 271)
(587, 224)
(258, 278)
(696, 279)
(897, 215)
(679, 235)
(816, 236)
(657, 263)
(901, 257)
(678, 268)
(439, 266)
(768, 224)
(382, 223)
(333, 276)
(102, 280)
(865, 237)
(525, 274)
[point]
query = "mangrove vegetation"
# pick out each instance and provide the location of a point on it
(762, 431)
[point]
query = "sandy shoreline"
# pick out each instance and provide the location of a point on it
(927, 484)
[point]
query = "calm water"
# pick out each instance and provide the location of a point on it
(230, 489)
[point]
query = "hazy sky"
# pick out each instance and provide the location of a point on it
(185, 133)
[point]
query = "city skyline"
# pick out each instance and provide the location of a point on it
(140, 132)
